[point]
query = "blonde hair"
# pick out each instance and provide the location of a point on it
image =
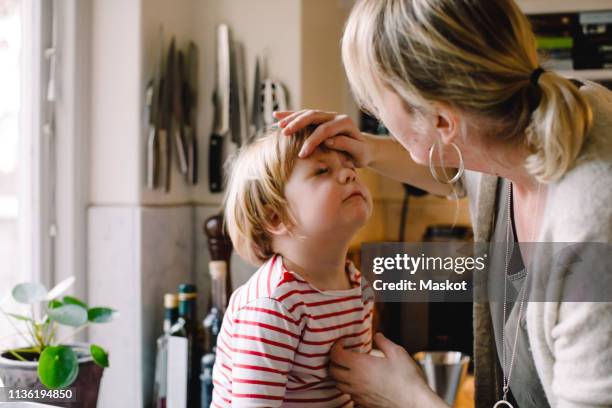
(477, 56)
(258, 173)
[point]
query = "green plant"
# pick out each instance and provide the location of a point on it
(57, 363)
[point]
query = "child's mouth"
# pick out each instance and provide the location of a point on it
(353, 195)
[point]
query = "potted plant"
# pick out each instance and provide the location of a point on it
(46, 362)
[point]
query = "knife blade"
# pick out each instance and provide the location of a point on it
(235, 128)
(240, 85)
(221, 98)
(151, 176)
(166, 120)
(153, 100)
(256, 119)
(177, 105)
(190, 86)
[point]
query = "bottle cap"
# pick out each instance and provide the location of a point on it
(217, 269)
(170, 301)
(187, 288)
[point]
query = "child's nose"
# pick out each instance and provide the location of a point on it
(347, 175)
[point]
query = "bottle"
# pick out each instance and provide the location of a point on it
(208, 361)
(212, 326)
(187, 328)
(214, 318)
(161, 357)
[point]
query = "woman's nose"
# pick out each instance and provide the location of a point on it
(347, 175)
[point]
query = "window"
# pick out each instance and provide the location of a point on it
(26, 210)
(11, 167)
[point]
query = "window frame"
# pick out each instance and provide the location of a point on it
(56, 180)
(72, 142)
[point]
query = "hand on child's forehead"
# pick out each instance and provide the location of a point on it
(323, 152)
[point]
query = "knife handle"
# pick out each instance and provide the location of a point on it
(192, 159)
(215, 170)
(164, 160)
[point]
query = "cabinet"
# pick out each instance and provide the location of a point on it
(531, 7)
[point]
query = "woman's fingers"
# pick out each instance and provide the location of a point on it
(385, 345)
(339, 356)
(340, 125)
(296, 122)
(349, 145)
(340, 374)
(345, 388)
(289, 117)
(281, 114)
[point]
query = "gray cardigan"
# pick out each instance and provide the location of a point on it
(571, 342)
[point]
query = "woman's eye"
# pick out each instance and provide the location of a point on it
(321, 171)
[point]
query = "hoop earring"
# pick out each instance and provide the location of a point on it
(432, 168)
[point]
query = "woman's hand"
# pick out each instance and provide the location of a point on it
(392, 381)
(338, 132)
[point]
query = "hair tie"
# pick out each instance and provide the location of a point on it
(535, 75)
(535, 92)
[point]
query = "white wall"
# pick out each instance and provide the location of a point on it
(115, 102)
(267, 28)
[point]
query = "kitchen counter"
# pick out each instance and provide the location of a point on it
(465, 398)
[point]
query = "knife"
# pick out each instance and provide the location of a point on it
(221, 120)
(177, 109)
(235, 128)
(241, 90)
(190, 86)
(166, 120)
(256, 106)
(152, 100)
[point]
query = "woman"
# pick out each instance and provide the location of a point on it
(458, 85)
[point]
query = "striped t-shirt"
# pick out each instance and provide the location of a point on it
(274, 345)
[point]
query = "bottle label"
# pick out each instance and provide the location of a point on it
(177, 372)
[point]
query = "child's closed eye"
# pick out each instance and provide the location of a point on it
(321, 170)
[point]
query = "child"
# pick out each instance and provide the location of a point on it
(295, 218)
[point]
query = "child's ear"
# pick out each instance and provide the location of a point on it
(276, 225)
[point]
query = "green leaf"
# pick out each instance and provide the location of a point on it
(69, 315)
(58, 367)
(69, 300)
(60, 288)
(100, 356)
(54, 304)
(29, 292)
(20, 317)
(100, 314)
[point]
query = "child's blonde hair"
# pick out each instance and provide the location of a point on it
(258, 174)
(475, 55)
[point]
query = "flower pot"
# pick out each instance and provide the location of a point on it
(24, 375)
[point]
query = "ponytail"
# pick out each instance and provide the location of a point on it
(558, 128)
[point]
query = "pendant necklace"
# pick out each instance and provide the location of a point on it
(510, 238)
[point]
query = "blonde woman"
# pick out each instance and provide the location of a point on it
(459, 86)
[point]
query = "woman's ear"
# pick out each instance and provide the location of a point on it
(446, 122)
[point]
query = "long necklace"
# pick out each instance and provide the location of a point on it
(509, 238)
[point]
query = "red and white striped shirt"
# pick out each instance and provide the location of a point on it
(274, 345)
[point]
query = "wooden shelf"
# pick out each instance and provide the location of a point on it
(562, 6)
(590, 74)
